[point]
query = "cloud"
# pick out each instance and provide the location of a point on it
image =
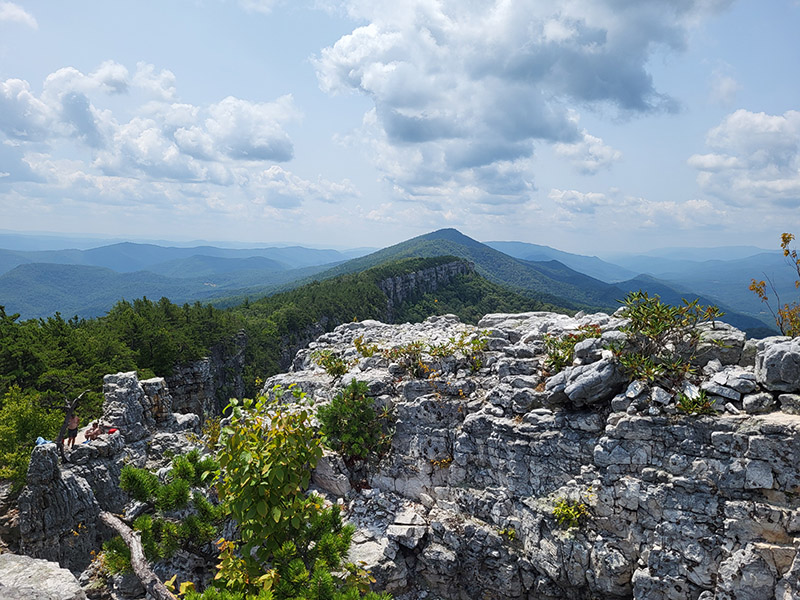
(252, 131)
(463, 85)
(23, 116)
(723, 89)
(13, 13)
(755, 157)
(150, 149)
(578, 202)
(589, 155)
(625, 213)
(279, 188)
(260, 6)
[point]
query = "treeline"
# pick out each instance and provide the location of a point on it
(46, 362)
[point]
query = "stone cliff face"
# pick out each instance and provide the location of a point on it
(59, 507)
(397, 290)
(205, 386)
(679, 506)
(403, 287)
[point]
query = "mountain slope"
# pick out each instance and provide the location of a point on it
(546, 282)
(127, 257)
(40, 289)
(588, 265)
(670, 295)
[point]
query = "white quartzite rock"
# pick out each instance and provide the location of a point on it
(25, 578)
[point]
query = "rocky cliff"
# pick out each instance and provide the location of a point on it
(397, 289)
(405, 287)
(488, 452)
(669, 505)
(60, 505)
(204, 387)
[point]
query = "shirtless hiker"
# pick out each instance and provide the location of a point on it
(72, 429)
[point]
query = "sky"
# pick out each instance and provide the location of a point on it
(592, 126)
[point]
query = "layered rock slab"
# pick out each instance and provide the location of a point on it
(681, 507)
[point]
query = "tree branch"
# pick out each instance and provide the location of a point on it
(141, 567)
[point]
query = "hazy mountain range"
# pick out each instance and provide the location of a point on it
(87, 282)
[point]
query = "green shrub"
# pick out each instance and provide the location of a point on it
(560, 350)
(661, 339)
(334, 365)
(697, 405)
(787, 316)
(351, 426)
(570, 513)
(365, 350)
(140, 484)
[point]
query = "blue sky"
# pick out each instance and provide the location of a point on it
(588, 125)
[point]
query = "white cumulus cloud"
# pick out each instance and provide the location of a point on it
(152, 148)
(461, 86)
(755, 157)
(590, 154)
(14, 13)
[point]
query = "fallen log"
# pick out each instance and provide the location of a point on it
(151, 583)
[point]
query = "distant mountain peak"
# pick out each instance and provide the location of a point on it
(451, 235)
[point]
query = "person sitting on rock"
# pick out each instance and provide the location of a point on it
(94, 431)
(72, 429)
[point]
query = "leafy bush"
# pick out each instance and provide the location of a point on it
(162, 535)
(351, 426)
(333, 363)
(289, 545)
(661, 339)
(787, 316)
(365, 350)
(570, 513)
(695, 405)
(560, 350)
(22, 420)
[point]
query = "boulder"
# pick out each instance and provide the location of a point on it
(584, 385)
(777, 366)
(26, 578)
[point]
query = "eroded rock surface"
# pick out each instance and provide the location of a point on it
(679, 506)
(59, 507)
(26, 578)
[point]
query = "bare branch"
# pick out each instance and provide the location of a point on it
(151, 583)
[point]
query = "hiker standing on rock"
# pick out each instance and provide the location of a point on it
(72, 429)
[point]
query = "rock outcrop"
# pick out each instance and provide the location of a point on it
(204, 387)
(59, 507)
(403, 287)
(676, 506)
(25, 578)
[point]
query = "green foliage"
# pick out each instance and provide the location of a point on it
(570, 513)
(289, 544)
(469, 297)
(140, 484)
(661, 339)
(787, 316)
(695, 405)
(365, 350)
(116, 556)
(561, 349)
(334, 365)
(352, 427)
(409, 356)
(22, 420)
(161, 533)
(509, 533)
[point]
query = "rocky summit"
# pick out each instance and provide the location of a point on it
(504, 479)
(490, 461)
